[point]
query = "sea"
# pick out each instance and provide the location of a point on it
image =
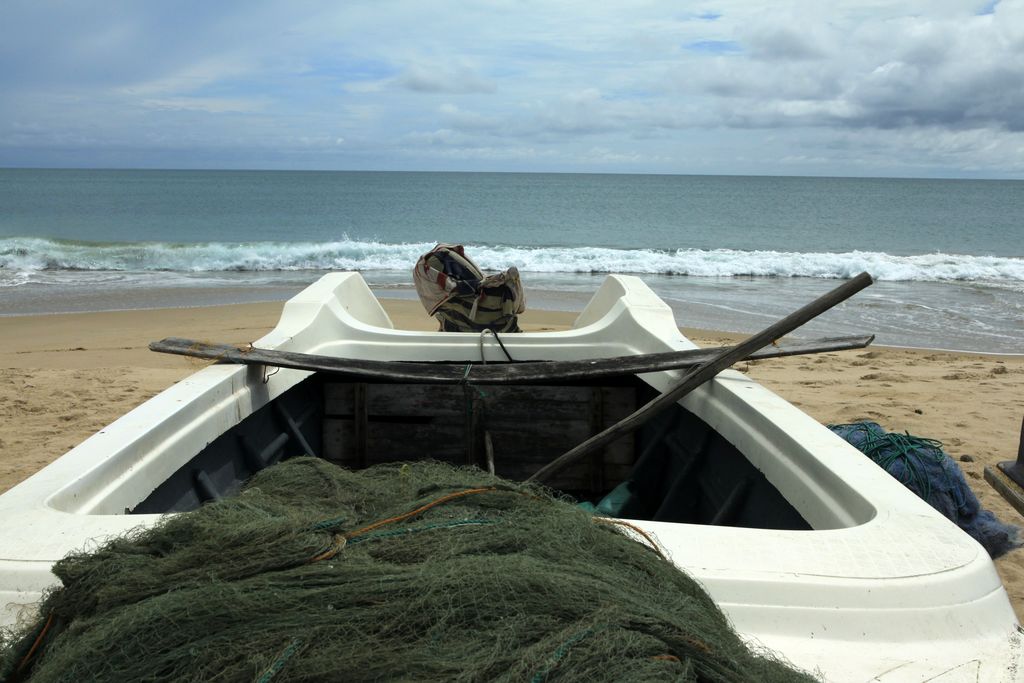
(725, 252)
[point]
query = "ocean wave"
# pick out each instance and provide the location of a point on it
(27, 255)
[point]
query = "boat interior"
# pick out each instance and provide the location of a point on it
(674, 469)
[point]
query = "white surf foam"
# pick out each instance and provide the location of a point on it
(29, 255)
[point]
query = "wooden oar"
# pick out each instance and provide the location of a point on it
(1007, 477)
(537, 372)
(693, 379)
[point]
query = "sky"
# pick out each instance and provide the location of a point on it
(910, 88)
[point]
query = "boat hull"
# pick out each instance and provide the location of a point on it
(878, 587)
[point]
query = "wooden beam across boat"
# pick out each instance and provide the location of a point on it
(533, 372)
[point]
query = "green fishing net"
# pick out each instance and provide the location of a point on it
(416, 571)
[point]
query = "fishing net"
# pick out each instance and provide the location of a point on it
(922, 466)
(412, 572)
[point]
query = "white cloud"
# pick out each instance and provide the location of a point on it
(212, 105)
(191, 77)
(443, 78)
(873, 86)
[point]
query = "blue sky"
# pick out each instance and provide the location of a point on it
(928, 88)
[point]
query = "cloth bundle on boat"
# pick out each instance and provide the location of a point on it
(454, 290)
(398, 572)
(922, 466)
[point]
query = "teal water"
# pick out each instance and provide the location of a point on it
(895, 216)
(726, 252)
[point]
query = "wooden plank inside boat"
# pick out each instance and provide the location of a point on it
(527, 426)
(679, 469)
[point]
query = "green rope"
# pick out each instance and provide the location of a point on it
(562, 650)
(885, 449)
(904, 447)
(279, 663)
(425, 527)
(328, 524)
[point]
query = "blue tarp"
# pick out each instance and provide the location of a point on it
(922, 466)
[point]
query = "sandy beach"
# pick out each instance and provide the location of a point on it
(66, 376)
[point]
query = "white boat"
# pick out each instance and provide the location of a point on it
(809, 548)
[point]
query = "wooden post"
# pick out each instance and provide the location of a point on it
(1007, 477)
(489, 451)
(360, 423)
(474, 425)
(596, 425)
